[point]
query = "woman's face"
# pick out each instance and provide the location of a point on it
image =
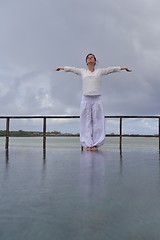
(90, 59)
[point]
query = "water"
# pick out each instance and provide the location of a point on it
(68, 194)
(73, 143)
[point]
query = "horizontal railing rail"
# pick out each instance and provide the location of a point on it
(44, 133)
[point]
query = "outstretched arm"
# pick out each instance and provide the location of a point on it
(70, 69)
(108, 70)
(126, 68)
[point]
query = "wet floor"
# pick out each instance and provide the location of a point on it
(69, 194)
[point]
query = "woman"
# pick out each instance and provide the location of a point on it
(92, 131)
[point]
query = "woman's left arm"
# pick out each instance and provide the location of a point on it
(108, 70)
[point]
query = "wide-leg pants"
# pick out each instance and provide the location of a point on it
(92, 129)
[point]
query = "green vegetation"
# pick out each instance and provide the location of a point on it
(21, 133)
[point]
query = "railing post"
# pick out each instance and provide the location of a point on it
(159, 133)
(120, 133)
(44, 133)
(7, 132)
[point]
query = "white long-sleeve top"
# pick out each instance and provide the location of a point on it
(91, 81)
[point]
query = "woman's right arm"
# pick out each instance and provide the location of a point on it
(70, 69)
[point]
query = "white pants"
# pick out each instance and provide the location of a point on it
(92, 131)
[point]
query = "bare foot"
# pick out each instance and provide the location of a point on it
(94, 148)
(87, 148)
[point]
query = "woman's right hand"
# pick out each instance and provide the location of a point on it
(59, 68)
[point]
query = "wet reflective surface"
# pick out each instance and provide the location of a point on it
(68, 194)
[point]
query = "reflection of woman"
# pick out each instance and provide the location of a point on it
(92, 133)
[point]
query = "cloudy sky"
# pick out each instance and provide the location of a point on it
(36, 36)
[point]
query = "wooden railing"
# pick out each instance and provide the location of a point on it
(44, 120)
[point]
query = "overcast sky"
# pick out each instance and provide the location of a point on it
(36, 36)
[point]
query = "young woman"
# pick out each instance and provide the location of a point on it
(92, 131)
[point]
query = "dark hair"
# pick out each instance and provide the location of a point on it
(92, 55)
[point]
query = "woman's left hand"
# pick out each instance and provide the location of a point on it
(126, 68)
